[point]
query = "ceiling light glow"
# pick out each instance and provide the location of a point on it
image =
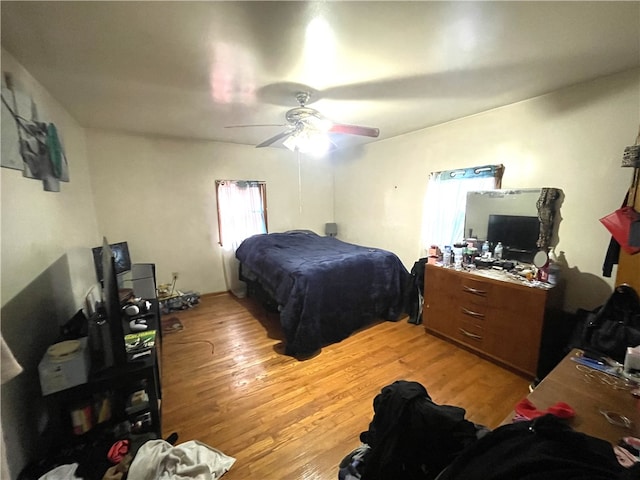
(319, 123)
(308, 141)
(319, 50)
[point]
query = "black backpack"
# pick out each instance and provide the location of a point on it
(611, 328)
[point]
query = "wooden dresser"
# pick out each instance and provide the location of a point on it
(489, 313)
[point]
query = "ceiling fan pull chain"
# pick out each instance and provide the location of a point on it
(299, 180)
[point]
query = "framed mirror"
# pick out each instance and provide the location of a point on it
(522, 220)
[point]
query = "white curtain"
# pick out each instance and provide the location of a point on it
(241, 214)
(446, 200)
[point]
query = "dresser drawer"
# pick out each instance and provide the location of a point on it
(470, 332)
(475, 292)
(470, 311)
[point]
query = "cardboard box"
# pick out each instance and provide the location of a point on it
(61, 374)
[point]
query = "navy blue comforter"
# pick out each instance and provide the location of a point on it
(326, 288)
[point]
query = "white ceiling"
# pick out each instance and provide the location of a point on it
(187, 69)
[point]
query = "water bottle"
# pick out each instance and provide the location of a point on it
(554, 268)
(554, 273)
(446, 256)
(485, 249)
(497, 252)
(457, 257)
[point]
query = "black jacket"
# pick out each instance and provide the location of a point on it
(410, 436)
(541, 449)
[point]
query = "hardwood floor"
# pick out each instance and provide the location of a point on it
(227, 384)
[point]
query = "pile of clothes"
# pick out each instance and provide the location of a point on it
(142, 459)
(411, 437)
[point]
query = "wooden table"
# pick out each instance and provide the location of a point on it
(588, 392)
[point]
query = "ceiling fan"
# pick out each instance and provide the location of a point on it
(304, 123)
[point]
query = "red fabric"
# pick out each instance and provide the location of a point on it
(118, 450)
(528, 410)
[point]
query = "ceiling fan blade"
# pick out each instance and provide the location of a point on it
(257, 125)
(275, 138)
(354, 130)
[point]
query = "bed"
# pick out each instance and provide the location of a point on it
(325, 289)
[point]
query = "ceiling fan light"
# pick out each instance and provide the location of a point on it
(307, 141)
(291, 142)
(316, 144)
(322, 124)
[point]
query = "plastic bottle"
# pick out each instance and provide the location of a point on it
(457, 256)
(497, 252)
(553, 269)
(485, 250)
(446, 256)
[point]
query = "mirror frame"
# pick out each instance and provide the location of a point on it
(541, 202)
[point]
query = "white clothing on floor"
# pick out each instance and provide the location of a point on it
(193, 460)
(63, 472)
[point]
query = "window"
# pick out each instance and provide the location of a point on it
(242, 210)
(446, 200)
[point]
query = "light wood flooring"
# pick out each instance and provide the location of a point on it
(227, 384)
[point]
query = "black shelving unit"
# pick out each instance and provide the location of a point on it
(109, 393)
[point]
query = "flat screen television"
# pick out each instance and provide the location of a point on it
(120, 253)
(111, 298)
(518, 234)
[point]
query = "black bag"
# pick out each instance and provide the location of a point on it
(614, 326)
(411, 437)
(415, 291)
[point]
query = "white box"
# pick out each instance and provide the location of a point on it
(60, 375)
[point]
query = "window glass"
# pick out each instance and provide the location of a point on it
(446, 200)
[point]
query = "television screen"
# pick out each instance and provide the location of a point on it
(120, 253)
(111, 299)
(518, 234)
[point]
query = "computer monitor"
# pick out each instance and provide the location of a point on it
(121, 257)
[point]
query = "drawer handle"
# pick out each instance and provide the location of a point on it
(471, 313)
(474, 291)
(470, 335)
